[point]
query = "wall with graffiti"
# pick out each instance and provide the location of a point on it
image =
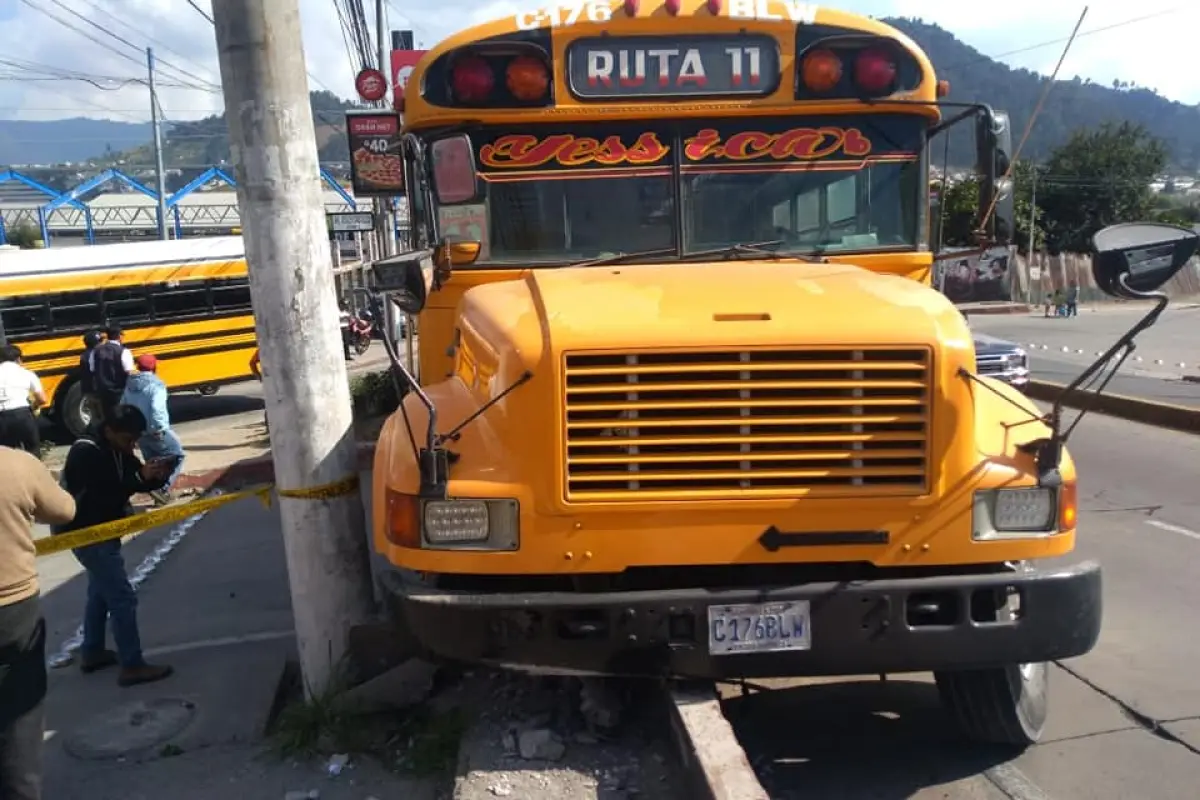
(975, 277)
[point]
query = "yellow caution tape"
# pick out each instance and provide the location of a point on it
(139, 523)
(324, 492)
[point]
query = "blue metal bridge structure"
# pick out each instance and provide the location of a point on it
(84, 215)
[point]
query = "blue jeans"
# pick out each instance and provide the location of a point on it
(162, 444)
(109, 596)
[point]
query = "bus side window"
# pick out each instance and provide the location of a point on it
(230, 295)
(74, 311)
(128, 304)
(184, 300)
(25, 314)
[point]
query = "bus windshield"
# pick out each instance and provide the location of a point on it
(835, 185)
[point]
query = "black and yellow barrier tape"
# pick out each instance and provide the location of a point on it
(140, 523)
(144, 522)
(326, 491)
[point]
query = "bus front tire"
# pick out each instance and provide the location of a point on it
(75, 413)
(1001, 705)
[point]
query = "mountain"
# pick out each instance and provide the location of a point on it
(1072, 104)
(973, 77)
(62, 140)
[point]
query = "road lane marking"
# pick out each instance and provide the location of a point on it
(222, 641)
(1014, 783)
(1166, 526)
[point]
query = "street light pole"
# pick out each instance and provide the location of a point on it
(296, 319)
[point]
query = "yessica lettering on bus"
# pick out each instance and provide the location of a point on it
(687, 402)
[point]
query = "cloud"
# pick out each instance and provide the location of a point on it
(1154, 52)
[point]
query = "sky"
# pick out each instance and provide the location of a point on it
(1150, 43)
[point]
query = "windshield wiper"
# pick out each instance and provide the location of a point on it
(756, 250)
(621, 258)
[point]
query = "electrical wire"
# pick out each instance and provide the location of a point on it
(150, 38)
(201, 11)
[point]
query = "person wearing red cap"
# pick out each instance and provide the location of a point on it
(146, 392)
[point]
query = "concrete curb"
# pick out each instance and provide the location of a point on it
(250, 471)
(999, 308)
(712, 758)
(1134, 409)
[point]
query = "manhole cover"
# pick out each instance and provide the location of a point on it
(130, 728)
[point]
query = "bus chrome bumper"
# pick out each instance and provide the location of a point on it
(863, 627)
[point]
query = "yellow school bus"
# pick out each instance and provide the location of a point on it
(688, 406)
(187, 302)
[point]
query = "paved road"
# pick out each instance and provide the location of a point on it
(1130, 383)
(1173, 340)
(1140, 516)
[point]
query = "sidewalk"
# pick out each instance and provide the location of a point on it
(213, 439)
(217, 608)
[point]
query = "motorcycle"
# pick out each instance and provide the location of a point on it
(361, 331)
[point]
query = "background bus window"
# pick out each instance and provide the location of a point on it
(126, 305)
(75, 311)
(230, 295)
(26, 314)
(179, 302)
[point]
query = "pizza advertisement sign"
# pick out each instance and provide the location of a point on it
(376, 163)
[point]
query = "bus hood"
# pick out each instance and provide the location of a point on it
(735, 303)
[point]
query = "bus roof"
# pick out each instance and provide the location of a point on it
(574, 19)
(124, 256)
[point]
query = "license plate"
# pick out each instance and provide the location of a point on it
(759, 628)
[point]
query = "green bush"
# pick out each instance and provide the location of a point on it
(374, 393)
(24, 236)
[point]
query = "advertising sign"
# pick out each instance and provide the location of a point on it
(376, 164)
(403, 62)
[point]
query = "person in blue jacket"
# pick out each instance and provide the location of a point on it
(146, 392)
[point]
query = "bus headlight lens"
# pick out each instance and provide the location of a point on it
(1013, 513)
(470, 524)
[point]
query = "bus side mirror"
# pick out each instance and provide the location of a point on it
(1134, 258)
(406, 279)
(454, 169)
(993, 155)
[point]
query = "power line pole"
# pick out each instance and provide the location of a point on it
(296, 319)
(159, 173)
(1032, 233)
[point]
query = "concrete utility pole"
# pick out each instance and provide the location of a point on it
(296, 318)
(159, 173)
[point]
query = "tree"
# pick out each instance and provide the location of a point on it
(960, 203)
(1099, 177)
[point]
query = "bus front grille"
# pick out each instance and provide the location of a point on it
(743, 424)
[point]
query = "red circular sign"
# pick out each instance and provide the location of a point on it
(371, 85)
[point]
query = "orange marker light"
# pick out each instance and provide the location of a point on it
(403, 521)
(821, 70)
(527, 79)
(631, 7)
(714, 7)
(1068, 506)
(672, 7)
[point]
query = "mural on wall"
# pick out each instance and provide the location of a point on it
(975, 277)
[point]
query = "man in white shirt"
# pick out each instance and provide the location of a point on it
(21, 395)
(111, 364)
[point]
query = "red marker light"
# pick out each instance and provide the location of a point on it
(527, 78)
(631, 7)
(874, 70)
(714, 7)
(821, 70)
(672, 7)
(472, 80)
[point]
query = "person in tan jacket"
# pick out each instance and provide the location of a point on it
(28, 494)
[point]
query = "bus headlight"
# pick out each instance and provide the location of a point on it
(469, 524)
(1015, 513)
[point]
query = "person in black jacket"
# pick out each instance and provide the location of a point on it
(111, 365)
(102, 473)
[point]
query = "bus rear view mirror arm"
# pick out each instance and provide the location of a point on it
(1131, 261)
